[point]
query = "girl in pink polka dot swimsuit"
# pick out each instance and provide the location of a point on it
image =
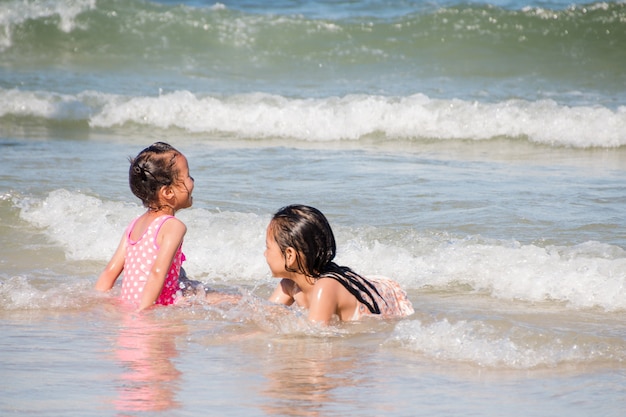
(150, 252)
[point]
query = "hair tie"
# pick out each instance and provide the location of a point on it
(141, 171)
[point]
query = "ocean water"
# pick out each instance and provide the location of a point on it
(473, 151)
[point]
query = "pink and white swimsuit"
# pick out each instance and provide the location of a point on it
(140, 256)
(393, 300)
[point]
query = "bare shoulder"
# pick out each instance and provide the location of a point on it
(174, 225)
(332, 289)
(174, 221)
(327, 283)
(171, 233)
(331, 297)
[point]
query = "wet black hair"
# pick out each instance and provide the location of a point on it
(152, 169)
(307, 231)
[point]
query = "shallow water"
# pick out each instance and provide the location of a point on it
(100, 362)
(474, 152)
(519, 316)
(494, 313)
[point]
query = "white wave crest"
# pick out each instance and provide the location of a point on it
(265, 116)
(13, 13)
(228, 247)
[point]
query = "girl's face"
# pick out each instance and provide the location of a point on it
(184, 187)
(274, 256)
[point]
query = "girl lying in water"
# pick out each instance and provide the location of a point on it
(300, 248)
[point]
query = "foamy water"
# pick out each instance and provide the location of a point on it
(337, 118)
(585, 275)
(473, 152)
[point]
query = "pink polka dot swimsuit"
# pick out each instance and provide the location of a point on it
(140, 256)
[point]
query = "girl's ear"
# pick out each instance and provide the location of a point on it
(166, 193)
(290, 257)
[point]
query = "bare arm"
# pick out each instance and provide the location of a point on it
(283, 293)
(114, 268)
(324, 300)
(169, 239)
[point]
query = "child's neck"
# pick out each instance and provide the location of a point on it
(303, 282)
(162, 210)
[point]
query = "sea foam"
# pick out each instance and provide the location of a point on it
(227, 247)
(14, 13)
(352, 117)
(503, 345)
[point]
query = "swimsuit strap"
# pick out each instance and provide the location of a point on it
(164, 218)
(130, 228)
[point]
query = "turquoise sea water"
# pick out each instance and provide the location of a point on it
(475, 152)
